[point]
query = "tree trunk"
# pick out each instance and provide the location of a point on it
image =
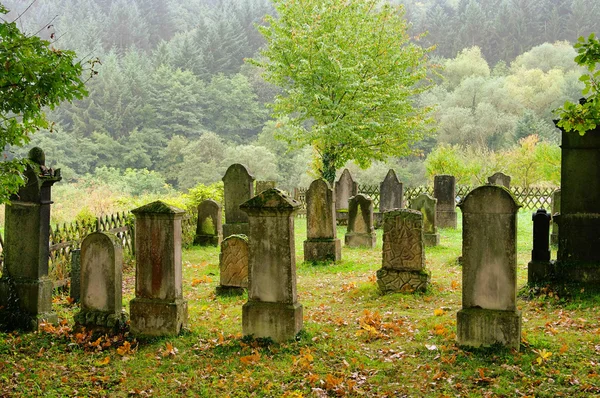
(328, 170)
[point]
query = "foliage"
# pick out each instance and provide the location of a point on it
(134, 182)
(201, 192)
(348, 72)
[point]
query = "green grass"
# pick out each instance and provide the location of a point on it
(355, 341)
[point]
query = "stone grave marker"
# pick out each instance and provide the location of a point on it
(539, 267)
(391, 195)
(500, 178)
(403, 264)
(427, 206)
(321, 243)
(272, 309)
(555, 211)
(345, 188)
(75, 288)
(209, 228)
(233, 265)
(489, 313)
(444, 190)
(238, 186)
(158, 308)
(360, 232)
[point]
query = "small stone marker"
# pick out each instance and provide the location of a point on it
(539, 268)
(489, 314)
(360, 232)
(403, 265)
(427, 206)
(158, 308)
(321, 243)
(444, 190)
(101, 283)
(233, 265)
(264, 185)
(345, 188)
(272, 309)
(238, 187)
(500, 179)
(209, 228)
(391, 195)
(555, 211)
(75, 288)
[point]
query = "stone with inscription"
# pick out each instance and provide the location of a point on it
(427, 206)
(444, 190)
(238, 187)
(233, 265)
(345, 188)
(360, 232)
(321, 243)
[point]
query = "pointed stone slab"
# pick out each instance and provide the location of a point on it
(427, 205)
(391, 195)
(321, 243)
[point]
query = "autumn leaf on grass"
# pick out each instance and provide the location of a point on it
(482, 377)
(202, 279)
(169, 350)
(103, 362)
(543, 356)
(305, 359)
(438, 312)
(125, 349)
(332, 382)
(250, 359)
(454, 285)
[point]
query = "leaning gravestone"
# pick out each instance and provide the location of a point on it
(489, 313)
(539, 267)
(321, 243)
(360, 232)
(101, 283)
(555, 211)
(233, 265)
(209, 228)
(238, 186)
(390, 193)
(500, 179)
(427, 206)
(25, 288)
(345, 188)
(158, 308)
(272, 309)
(444, 190)
(403, 266)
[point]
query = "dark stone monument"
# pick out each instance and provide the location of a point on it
(500, 179)
(345, 188)
(233, 266)
(209, 228)
(238, 187)
(75, 288)
(444, 190)
(427, 206)
(360, 232)
(25, 288)
(321, 233)
(391, 195)
(539, 267)
(555, 211)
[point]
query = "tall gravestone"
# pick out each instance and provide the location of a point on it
(238, 186)
(489, 313)
(209, 228)
(360, 232)
(391, 195)
(158, 308)
(233, 265)
(272, 309)
(321, 243)
(101, 283)
(539, 267)
(444, 190)
(555, 210)
(427, 206)
(500, 178)
(345, 188)
(403, 264)
(25, 288)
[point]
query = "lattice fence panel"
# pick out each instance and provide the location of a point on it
(371, 191)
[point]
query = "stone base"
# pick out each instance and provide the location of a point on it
(341, 217)
(322, 250)
(431, 239)
(229, 290)
(153, 317)
(446, 219)
(477, 327)
(355, 239)
(539, 272)
(25, 303)
(207, 240)
(101, 321)
(575, 272)
(240, 228)
(393, 280)
(278, 321)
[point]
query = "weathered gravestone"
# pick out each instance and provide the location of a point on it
(272, 309)
(539, 267)
(500, 179)
(489, 314)
(209, 228)
(555, 210)
(264, 185)
(238, 187)
(158, 307)
(391, 195)
(75, 288)
(101, 283)
(321, 243)
(403, 265)
(444, 190)
(427, 206)
(360, 230)
(233, 265)
(345, 188)
(25, 289)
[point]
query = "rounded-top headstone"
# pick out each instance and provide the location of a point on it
(489, 199)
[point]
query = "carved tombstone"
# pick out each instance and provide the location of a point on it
(427, 206)
(238, 187)
(360, 230)
(345, 188)
(539, 267)
(233, 265)
(209, 228)
(500, 179)
(391, 195)
(403, 266)
(321, 243)
(444, 190)
(489, 314)
(555, 211)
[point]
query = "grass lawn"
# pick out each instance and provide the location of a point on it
(355, 342)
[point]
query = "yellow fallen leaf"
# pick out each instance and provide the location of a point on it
(438, 312)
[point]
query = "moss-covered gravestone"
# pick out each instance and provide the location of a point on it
(209, 227)
(25, 289)
(489, 314)
(272, 309)
(158, 308)
(233, 265)
(345, 188)
(360, 232)
(444, 190)
(238, 187)
(321, 243)
(403, 265)
(500, 178)
(427, 206)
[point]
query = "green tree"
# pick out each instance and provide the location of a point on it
(348, 71)
(34, 75)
